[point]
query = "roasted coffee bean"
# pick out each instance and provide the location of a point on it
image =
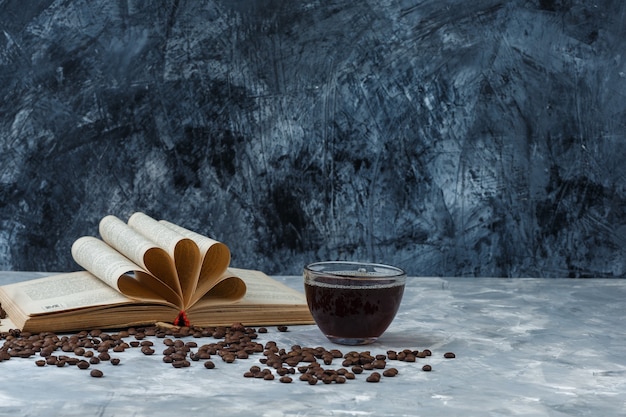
(235, 342)
(285, 379)
(181, 364)
(209, 365)
(427, 368)
(96, 373)
(82, 364)
(449, 355)
(94, 360)
(373, 377)
(40, 362)
(115, 361)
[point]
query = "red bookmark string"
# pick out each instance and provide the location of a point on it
(182, 319)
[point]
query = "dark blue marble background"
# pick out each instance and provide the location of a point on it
(457, 138)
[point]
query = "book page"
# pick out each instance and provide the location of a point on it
(140, 250)
(261, 289)
(119, 272)
(215, 259)
(62, 292)
(183, 251)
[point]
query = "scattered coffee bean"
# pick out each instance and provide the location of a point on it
(449, 355)
(285, 379)
(427, 368)
(373, 377)
(236, 342)
(96, 373)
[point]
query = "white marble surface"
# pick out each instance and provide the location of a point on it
(524, 347)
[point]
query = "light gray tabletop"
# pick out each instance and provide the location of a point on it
(524, 347)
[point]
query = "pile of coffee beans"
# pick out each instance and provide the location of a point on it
(181, 347)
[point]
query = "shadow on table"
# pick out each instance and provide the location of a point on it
(406, 339)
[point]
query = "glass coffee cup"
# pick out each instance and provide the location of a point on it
(353, 303)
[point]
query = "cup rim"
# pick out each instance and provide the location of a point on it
(394, 271)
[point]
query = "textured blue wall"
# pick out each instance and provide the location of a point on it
(482, 138)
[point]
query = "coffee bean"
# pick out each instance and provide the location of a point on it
(285, 379)
(427, 368)
(181, 364)
(373, 377)
(449, 355)
(96, 373)
(234, 342)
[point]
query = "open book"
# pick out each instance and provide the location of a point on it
(147, 271)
